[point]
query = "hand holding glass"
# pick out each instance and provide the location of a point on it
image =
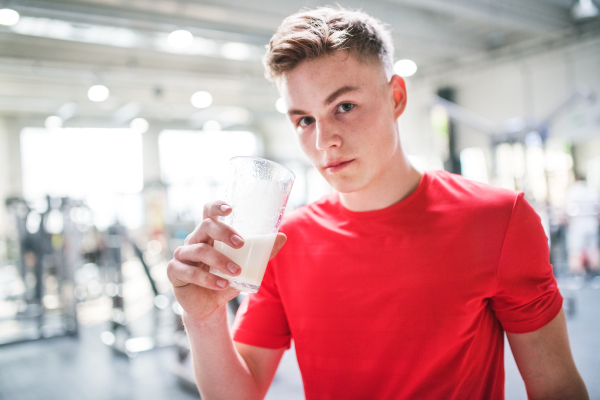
(257, 191)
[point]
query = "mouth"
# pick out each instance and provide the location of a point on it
(336, 166)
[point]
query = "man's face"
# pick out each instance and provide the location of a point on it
(344, 113)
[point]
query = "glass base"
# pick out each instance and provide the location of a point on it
(242, 286)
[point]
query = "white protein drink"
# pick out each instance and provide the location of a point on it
(252, 257)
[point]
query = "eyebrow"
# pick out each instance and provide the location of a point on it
(339, 92)
(330, 99)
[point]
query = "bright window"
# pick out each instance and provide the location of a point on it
(101, 166)
(473, 164)
(194, 166)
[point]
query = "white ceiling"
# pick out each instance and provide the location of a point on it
(118, 43)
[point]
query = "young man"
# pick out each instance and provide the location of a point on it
(399, 285)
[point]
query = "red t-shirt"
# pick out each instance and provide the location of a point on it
(407, 302)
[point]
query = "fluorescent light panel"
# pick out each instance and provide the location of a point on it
(180, 41)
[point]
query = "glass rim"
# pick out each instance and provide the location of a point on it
(263, 159)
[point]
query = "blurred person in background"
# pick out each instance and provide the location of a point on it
(398, 285)
(583, 206)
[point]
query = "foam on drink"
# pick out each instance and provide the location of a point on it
(252, 258)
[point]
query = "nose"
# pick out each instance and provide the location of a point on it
(327, 136)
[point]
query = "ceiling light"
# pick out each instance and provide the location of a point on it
(8, 17)
(201, 99)
(180, 39)
(98, 93)
(405, 68)
(139, 125)
(280, 105)
(584, 9)
(235, 51)
(53, 122)
(211, 126)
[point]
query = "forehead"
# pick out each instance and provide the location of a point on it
(318, 77)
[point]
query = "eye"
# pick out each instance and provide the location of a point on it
(345, 107)
(305, 121)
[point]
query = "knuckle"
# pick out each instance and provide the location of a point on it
(190, 237)
(222, 261)
(225, 230)
(191, 274)
(205, 280)
(205, 224)
(177, 251)
(171, 269)
(202, 248)
(211, 280)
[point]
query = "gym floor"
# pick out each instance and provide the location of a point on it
(84, 368)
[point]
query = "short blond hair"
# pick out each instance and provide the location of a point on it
(310, 34)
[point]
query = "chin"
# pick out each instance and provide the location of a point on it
(346, 184)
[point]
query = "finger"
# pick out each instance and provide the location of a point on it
(217, 230)
(216, 209)
(279, 242)
(181, 274)
(205, 253)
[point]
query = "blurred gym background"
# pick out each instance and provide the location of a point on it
(117, 119)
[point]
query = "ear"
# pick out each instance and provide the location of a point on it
(399, 92)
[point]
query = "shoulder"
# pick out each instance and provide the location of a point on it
(471, 204)
(455, 190)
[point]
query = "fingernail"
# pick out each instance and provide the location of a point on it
(233, 268)
(236, 240)
(224, 207)
(221, 283)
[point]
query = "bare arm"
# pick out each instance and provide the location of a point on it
(222, 371)
(546, 364)
(227, 371)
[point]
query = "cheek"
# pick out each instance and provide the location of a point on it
(378, 139)
(368, 119)
(308, 144)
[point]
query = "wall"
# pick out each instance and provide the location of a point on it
(10, 166)
(520, 86)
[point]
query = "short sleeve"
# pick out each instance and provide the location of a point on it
(526, 296)
(261, 320)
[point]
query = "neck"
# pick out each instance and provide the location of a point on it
(393, 185)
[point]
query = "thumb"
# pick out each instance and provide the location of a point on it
(279, 242)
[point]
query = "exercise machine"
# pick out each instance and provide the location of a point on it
(37, 288)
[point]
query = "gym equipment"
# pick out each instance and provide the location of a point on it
(39, 289)
(120, 336)
(513, 129)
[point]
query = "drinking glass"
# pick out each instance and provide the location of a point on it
(258, 191)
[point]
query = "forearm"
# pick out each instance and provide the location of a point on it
(572, 388)
(221, 373)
